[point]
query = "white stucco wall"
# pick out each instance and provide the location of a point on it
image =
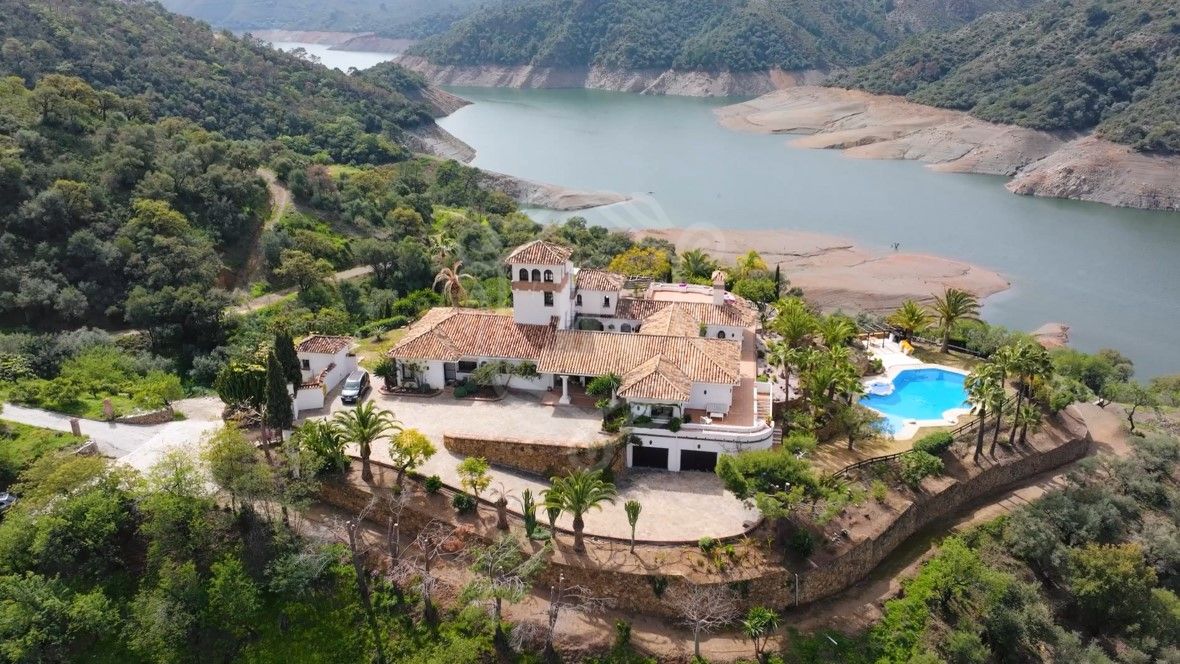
(731, 331)
(309, 398)
(317, 362)
(702, 441)
(592, 302)
(704, 394)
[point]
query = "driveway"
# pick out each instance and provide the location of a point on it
(676, 506)
(135, 445)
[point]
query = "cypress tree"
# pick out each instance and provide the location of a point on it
(289, 359)
(278, 400)
(778, 281)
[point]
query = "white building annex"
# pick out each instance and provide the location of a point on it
(685, 353)
(325, 362)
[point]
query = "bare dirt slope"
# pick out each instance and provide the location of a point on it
(1058, 164)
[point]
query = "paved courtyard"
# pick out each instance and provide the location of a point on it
(676, 506)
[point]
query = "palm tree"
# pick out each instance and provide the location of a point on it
(952, 307)
(1006, 360)
(1027, 417)
(451, 279)
(910, 318)
(1031, 363)
(442, 247)
(783, 356)
(750, 262)
(982, 386)
(577, 493)
(696, 264)
(793, 321)
(363, 425)
(836, 330)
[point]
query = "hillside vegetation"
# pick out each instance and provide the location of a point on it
(395, 18)
(1112, 65)
(180, 67)
(686, 34)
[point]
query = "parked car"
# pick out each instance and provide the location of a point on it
(6, 500)
(355, 387)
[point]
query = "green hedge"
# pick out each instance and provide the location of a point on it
(935, 443)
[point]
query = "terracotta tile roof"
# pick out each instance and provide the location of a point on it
(450, 334)
(656, 379)
(585, 353)
(324, 344)
(540, 252)
(737, 314)
(600, 280)
(674, 321)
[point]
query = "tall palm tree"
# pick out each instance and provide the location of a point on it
(451, 279)
(696, 264)
(578, 493)
(910, 318)
(982, 384)
(1031, 364)
(781, 355)
(363, 425)
(952, 307)
(749, 262)
(793, 321)
(1006, 358)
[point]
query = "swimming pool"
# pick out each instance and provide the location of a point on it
(918, 397)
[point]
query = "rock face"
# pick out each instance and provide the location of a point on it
(550, 196)
(649, 81)
(1055, 164)
(1052, 335)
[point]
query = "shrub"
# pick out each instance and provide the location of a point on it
(433, 484)
(674, 424)
(878, 490)
(622, 634)
(658, 584)
(802, 543)
(917, 465)
(642, 420)
(707, 544)
(935, 443)
(463, 503)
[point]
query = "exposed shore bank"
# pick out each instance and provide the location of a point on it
(836, 273)
(643, 81)
(1052, 164)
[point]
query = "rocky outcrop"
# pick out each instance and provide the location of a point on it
(338, 41)
(1055, 164)
(646, 81)
(433, 140)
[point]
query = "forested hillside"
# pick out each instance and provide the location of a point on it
(1112, 65)
(180, 67)
(688, 34)
(396, 18)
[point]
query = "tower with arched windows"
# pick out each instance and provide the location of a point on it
(542, 284)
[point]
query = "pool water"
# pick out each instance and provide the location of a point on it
(918, 394)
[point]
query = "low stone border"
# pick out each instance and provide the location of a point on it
(162, 416)
(534, 457)
(407, 393)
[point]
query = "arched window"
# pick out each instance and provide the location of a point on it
(548, 276)
(536, 275)
(720, 334)
(611, 327)
(626, 327)
(524, 274)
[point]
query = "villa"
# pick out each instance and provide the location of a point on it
(685, 353)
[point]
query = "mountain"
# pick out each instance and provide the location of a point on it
(177, 66)
(711, 35)
(1111, 66)
(393, 18)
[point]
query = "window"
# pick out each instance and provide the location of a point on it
(548, 299)
(306, 364)
(578, 299)
(548, 276)
(662, 412)
(720, 334)
(524, 274)
(466, 366)
(626, 327)
(606, 300)
(536, 275)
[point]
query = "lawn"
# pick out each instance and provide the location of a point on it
(21, 445)
(369, 349)
(931, 355)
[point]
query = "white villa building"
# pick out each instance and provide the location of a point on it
(325, 362)
(683, 352)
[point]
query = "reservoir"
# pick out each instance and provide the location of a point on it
(1111, 274)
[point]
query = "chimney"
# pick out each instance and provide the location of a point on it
(718, 287)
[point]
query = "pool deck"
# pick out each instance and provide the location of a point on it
(895, 362)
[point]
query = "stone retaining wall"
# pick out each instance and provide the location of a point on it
(537, 458)
(162, 416)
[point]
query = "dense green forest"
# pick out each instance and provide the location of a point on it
(686, 34)
(1113, 65)
(394, 18)
(180, 67)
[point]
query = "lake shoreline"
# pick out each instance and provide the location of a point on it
(1067, 165)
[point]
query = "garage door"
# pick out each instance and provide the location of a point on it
(695, 460)
(649, 457)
